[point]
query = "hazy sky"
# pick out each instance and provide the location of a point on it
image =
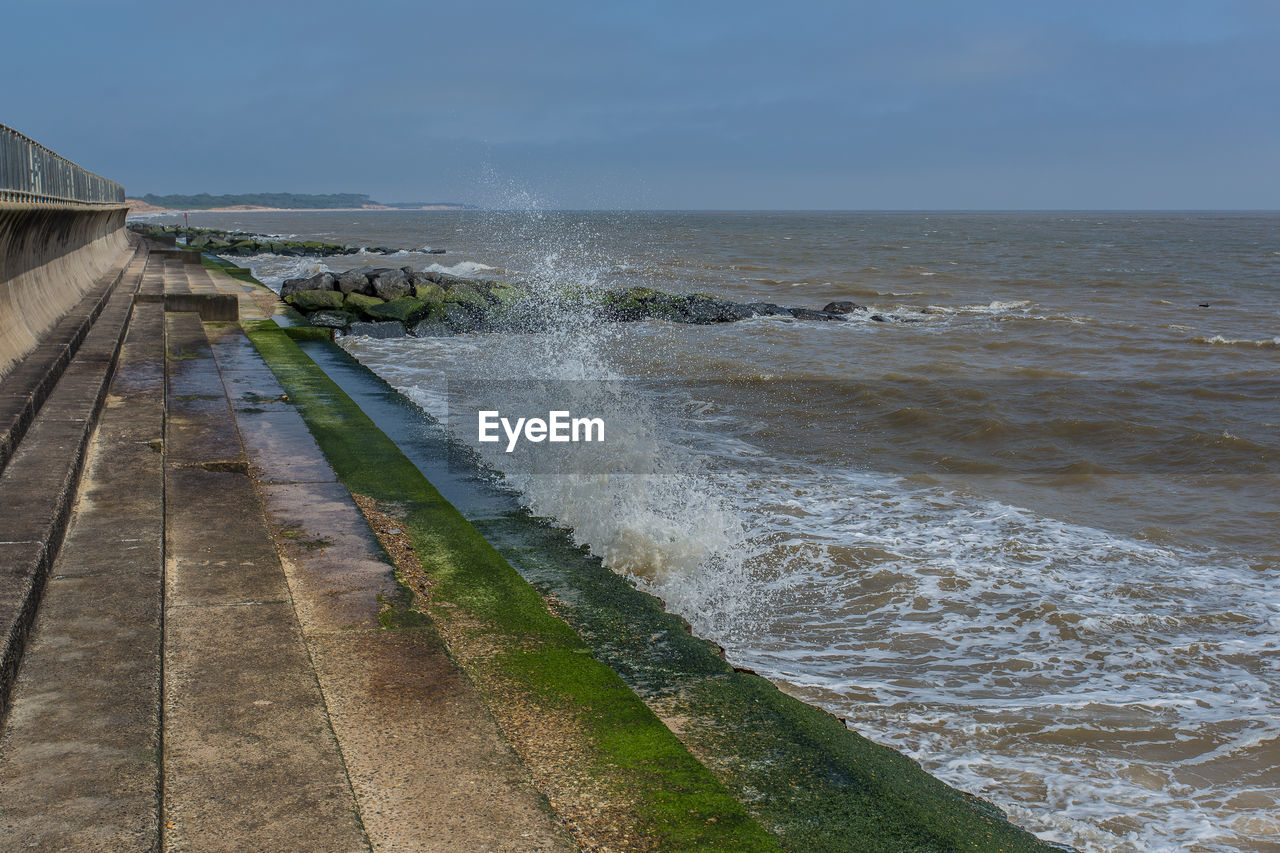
(654, 104)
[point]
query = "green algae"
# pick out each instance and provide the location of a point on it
(678, 803)
(802, 774)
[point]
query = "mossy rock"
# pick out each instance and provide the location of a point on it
(460, 318)
(315, 300)
(641, 294)
(502, 293)
(358, 303)
(406, 309)
(433, 293)
(467, 294)
(624, 309)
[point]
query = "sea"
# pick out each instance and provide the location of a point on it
(1019, 518)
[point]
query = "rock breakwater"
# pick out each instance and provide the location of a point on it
(395, 301)
(241, 243)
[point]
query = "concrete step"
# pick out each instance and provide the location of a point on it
(250, 758)
(429, 766)
(183, 287)
(28, 385)
(80, 753)
(38, 485)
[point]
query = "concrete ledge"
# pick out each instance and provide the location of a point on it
(38, 485)
(79, 754)
(24, 566)
(187, 256)
(212, 307)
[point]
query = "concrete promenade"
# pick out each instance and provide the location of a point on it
(194, 654)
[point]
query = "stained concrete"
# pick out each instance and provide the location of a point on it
(206, 672)
(50, 257)
(249, 758)
(79, 757)
(412, 728)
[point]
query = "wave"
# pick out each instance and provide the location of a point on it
(464, 269)
(273, 270)
(1219, 340)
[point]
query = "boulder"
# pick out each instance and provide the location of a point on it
(331, 319)
(622, 307)
(806, 314)
(354, 281)
(433, 251)
(388, 329)
(459, 318)
(359, 303)
(429, 292)
(441, 278)
(843, 307)
(767, 309)
(406, 309)
(392, 284)
(432, 327)
(319, 281)
(701, 309)
(467, 294)
(314, 300)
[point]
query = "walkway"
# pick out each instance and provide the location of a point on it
(209, 666)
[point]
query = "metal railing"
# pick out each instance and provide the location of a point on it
(32, 174)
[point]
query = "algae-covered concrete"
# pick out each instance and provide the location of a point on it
(798, 771)
(428, 765)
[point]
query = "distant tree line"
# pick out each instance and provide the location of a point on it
(204, 201)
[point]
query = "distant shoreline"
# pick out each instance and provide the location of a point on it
(137, 207)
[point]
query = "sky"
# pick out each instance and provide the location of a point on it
(694, 104)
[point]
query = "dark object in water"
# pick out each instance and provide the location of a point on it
(843, 307)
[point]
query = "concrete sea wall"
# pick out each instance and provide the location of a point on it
(50, 256)
(61, 229)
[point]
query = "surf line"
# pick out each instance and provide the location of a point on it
(559, 426)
